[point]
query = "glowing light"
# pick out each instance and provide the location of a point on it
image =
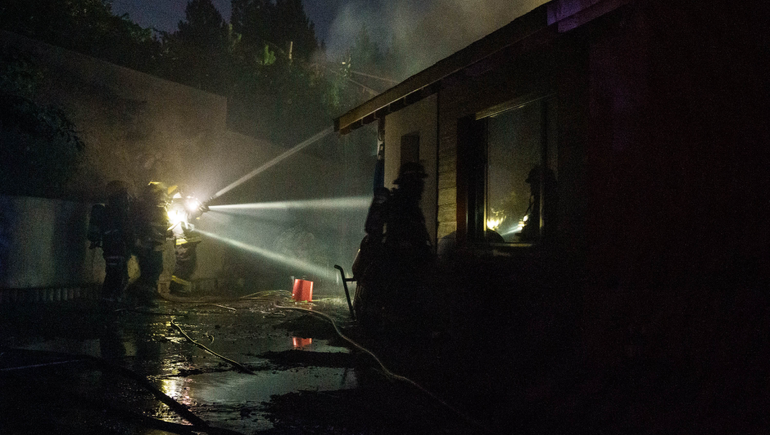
(516, 229)
(357, 202)
(492, 224)
(290, 152)
(176, 216)
(302, 266)
(192, 204)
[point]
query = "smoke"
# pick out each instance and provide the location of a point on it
(422, 33)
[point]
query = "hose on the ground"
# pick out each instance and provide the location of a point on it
(235, 364)
(265, 294)
(390, 373)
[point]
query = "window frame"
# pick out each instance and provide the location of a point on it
(473, 188)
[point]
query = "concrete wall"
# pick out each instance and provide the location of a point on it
(43, 244)
(419, 119)
(136, 127)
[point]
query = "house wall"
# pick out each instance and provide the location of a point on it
(661, 161)
(550, 71)
(420, 119)
(676, 149)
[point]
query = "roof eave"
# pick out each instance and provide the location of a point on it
(539, 25)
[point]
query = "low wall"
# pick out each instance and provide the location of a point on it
(44, 252)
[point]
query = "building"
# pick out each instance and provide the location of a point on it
(619, 148)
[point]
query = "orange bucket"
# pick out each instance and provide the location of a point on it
(300, 342)
(302, 291)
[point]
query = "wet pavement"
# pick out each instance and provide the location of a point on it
(239, 366)
(244, 366)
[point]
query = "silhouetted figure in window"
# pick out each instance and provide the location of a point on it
(395, 256)
(544, 193)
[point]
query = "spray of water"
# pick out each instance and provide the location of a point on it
(315, 138)
(355, 203)
(299, 265)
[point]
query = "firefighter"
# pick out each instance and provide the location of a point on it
(110, 228)
(151, 226)
(396, 256)
(183, 210)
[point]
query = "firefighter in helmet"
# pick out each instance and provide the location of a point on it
(182, 211)
(151, 226)
(110, 229)
(395, 256)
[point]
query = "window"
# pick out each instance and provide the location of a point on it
(520, 174)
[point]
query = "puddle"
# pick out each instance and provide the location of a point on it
(285, 360)
(233, 387)
(227, 398)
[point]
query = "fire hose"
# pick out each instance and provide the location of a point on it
(389, 373)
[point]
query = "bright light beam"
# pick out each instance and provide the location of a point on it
(290, 152)
(354, 202)
(313, 269)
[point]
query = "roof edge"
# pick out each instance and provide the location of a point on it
(557, 16)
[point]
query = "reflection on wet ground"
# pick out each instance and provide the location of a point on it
(249, 368)
(43, 345)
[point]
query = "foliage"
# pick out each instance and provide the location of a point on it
(276, 92)
(198, 53)
(275, 24)
(41, 149)
(87, 26)
(273, 92)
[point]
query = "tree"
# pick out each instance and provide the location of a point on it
(278, 25)
(291, 25)
(252, 19)
(279, 94)
(198, 53)
(40, 146)
(86, 26)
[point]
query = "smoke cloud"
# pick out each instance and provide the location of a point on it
(421, 32)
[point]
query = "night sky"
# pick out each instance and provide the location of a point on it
(447, 25)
